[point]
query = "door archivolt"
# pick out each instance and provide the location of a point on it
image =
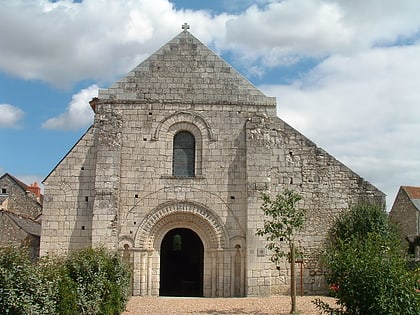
(181, 215)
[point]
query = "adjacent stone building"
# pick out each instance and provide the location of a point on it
(171, 173)
(405, 212)
(20, 214)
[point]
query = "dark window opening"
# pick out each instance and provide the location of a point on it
(184, 154)
(177, 243)
(3, 190)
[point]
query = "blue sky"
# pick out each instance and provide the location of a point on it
(345, 73)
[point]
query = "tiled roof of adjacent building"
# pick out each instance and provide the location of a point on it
(414, 194)
(28, 225)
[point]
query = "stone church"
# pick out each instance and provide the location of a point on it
(171, 172)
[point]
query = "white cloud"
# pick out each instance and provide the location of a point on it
(285, 31)
(64, 42)
(363, 109)
(78, 113)
(290, 27)
(10, 116)
(382, 21)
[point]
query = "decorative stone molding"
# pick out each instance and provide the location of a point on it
(183, 214)
(192, 119)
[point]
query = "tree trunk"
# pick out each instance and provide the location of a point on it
(293, 277)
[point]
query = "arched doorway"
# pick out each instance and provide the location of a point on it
(181, 264)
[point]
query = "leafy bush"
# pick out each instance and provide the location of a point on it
(91, 281)
(22, 286)
(361, 221)
(367, 268)
(62, 287)
(101, 281)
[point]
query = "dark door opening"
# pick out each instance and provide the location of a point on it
(181, 264)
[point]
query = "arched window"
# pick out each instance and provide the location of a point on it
(184, 154)
(177, 243)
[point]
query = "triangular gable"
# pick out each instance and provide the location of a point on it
(185, 70)
(18, 183)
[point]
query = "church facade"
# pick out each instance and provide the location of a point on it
(171, 172)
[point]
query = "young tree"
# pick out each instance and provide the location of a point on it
(282, 220)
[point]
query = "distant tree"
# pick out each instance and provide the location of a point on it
(282, 220)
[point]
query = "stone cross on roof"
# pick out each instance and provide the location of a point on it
(185, 27)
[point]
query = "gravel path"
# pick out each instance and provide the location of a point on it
(256, 306)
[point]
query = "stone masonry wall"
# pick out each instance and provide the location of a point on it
(115, 187)
(20, 205)
(145, 161)
(20, 201)
(279, 157)
(69, 196)
(186, 71)
(10, 233)
(404, 214)
(244, 150)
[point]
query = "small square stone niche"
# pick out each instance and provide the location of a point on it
(261, 252)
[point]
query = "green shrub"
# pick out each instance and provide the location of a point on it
(361, 221)
(88, 282)
(367, 269)
(371, 278)
(62, 287)
(23, 289)
(101, 281)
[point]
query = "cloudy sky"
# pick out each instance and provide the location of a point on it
(345, 73)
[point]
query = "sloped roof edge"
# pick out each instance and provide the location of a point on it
(64, 157)
(29, 225)
(18, 182)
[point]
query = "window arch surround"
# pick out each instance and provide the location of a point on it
(184, 116)
(192, 122)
